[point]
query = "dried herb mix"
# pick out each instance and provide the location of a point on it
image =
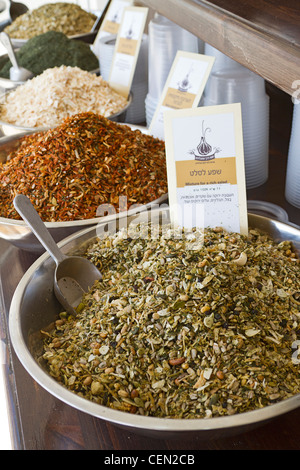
(179, 333)
(67, 18)
(51, 49)
(68, 171)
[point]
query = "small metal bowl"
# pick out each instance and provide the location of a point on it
(7, 84)
(19, 234)
(34, 306)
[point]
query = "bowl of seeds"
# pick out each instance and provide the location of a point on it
(87, 168)
(49, 50)
(187, 333)
(57, 93)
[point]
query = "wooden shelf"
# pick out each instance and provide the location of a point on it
(262, 35)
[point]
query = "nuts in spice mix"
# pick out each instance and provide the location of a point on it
(69, 171)
(179, 333)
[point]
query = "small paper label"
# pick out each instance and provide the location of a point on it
(205, 165)
(127, 48)
(184, 87)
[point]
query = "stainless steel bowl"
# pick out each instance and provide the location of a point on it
(12, 129)
(85, 37)
(17, 231)
(34, 306)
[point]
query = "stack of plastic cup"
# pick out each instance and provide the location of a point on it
(292, 182)
(165, 39)
(139, 87)
(240, 85)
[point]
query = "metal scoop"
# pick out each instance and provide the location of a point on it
(73, 275)
(16, 73)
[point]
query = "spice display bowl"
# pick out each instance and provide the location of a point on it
(19, 234)
(9, 129)
(34, 306)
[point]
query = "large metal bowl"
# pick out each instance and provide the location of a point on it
(34, 306)
(19, 234)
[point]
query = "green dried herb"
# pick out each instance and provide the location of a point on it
(52, 49)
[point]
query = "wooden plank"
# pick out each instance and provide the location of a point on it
(267, 51)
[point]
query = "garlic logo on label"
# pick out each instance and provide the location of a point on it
(204, 150)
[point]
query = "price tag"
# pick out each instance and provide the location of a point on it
(183, 88)
(127, 49)
(112, 20)
(205, 167)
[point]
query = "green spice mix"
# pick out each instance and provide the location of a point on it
(67, 18)
(183, 333)
(71, 170)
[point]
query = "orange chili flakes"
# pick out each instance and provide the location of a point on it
(67, 172)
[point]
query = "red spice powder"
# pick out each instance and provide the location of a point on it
(67, 172)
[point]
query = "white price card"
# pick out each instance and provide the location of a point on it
(127, 49)
(205, 167)
(183, 88)
(112, 20)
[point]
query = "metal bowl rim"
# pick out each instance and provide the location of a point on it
(93, 221)
(79, 222)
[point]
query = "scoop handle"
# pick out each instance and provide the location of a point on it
(5, 39)
(28, 213)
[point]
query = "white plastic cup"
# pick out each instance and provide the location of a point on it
(240, 85)
(106, 51)
(222, 61)
(235, 85)
(150, 108)
(292, 183)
